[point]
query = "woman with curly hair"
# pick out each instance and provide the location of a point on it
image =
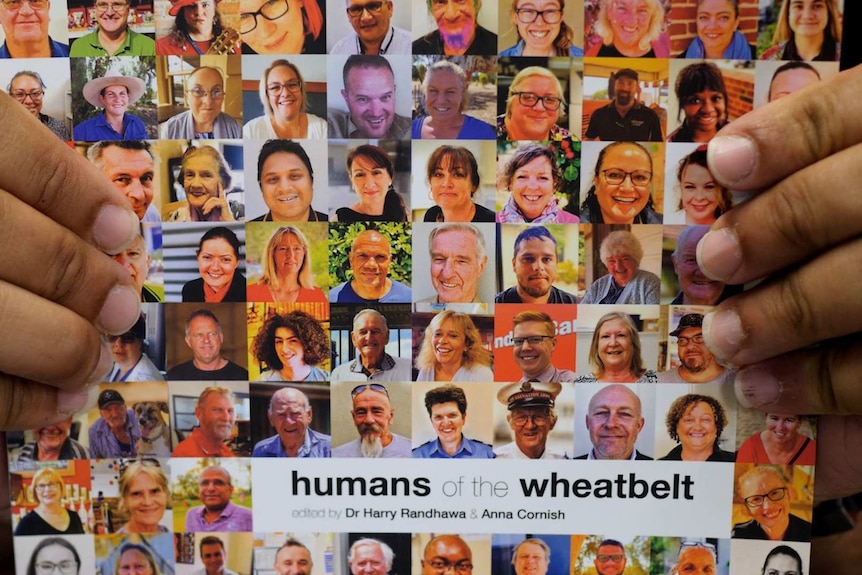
(452, 350)
(197, 30)
(696, 422)
(291, 345)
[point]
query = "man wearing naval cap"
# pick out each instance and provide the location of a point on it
(531, 417)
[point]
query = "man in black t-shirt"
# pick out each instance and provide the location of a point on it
(625, 119)
(204, 337)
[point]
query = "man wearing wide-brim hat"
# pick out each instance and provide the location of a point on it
(531, 417)
(113, 92)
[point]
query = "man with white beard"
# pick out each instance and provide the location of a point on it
(372, 415)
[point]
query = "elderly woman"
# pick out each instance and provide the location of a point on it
(632, 28)
(206, 178)
(717, 35)
(702, 98)
(615, 352)
(286, 181)
(130, 360)
(218, 258)
(291, 345)
(285, 100)
(533, 106)
(625, 282)
(696, 422)
(29, 89)
(53, 444)
(144, 496)
(781, 443)
(281, 27)
(286, 267)
(197, 30)
(701, 199)
(446, 98)
(782, 560)
(135, 559)
(371, 171)
(452, 350)
(204, 119)
(533, 178)
(621, 192)
(49, 517)
(541, 29)
(807, 30)
(56, 552)
(453, 178)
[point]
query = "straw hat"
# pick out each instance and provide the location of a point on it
(93, 88)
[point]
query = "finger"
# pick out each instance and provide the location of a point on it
(839, 457)
(46, 342)
(833, 553)
(772, 142)
(788, 223)
(791, 311)
(18, 396)
(43, 172)
(72, 273)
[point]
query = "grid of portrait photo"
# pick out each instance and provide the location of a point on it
(432, 229)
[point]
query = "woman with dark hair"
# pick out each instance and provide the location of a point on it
(615, 352)
(807, 30)
(206, 179)
(718, 37)
(281, 27)
(286, 270)
(696, 422)
(291, 345)
(542, 31)
(453, 178)
(371, 171)
(781, 443)
(782, 560)
(54, 554)
(218, 257)
(701, 198)
(702, 96)
(621, 192)
(197, 30)
(533, 179)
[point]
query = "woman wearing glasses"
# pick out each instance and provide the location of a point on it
(533, 106)
(532, 178)
(204, 119)
(281, 27)
(49, 517)
(621, 192)
(446, 97)
(29, 89)
(130, 361)
(452, 350)
(541, 29)
(54, 555)
(282, 93)
(292, 345)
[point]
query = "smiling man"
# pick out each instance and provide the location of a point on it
(458, 260)
(218, 513)
(371, 20)
(372, 415)
(369, 337)
(289, 412)
(625, 282)
(369, 93)
(447, 408)
(370, 259)
(531, 418)
(446, 552)
(535, 266)
(216, 415)
(624, 118)
(696, 362)
(213, 556)
(610, 558)
(204, 337)
(112, 36)
(25, 25)
(534, 340)
(531, 557)
(116, 431)
(614, 421)
(113, 93)
(458, 31)
(293, 558)
(130, 167)
(767, 496)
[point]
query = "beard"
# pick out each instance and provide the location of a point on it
(371, 442)
(535, 291)
(695, 364)
(624, 97)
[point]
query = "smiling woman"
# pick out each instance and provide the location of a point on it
(702, 97)
(218, 256)
(206, 179)
(283, 93)
(452, 350)
(625, 282)
(542, 31)
(446, 98)
(198, 29)
(281, 27)
(622, 187)
(371, 171)
(144, 497)
(292, 345)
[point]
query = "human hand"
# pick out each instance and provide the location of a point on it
(58, 291)
(221, 205)
(796, 335)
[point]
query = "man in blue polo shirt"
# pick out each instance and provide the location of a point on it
(113, 92)
(25, 25)
(625, 119)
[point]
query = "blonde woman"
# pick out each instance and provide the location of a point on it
(631, 28)
(284, 96)
(50, 517)
(452, 350)
(286, 270)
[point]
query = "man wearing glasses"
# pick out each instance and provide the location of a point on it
(624, 118)
(610, 558)
(767, 496)
(447, 552)
(696, 362)
(28, 88)
(534, 340)
(204, 120)
(531, 417)
(535, 266)
(374, 33)
(25, 25)
(289, 412)
(112, 36)
(372, 415)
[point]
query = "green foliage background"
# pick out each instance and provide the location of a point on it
(341, 236)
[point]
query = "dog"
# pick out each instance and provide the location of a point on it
(156, 435)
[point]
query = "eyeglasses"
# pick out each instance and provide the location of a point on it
(684, 341)
(532, 340)
(127, 338)
(45, 486)
(616, 177)
(275, 88)
(215, 93)
(694, 544)
(115, 6)
(271, 10)
(372, 7)
(441, 566)
(21, 95)
(366, 386)
(539, 419)
(615, 558)
(776, 494)
(48, 567)
(529, 15)
(530, 99)
(34, 4)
